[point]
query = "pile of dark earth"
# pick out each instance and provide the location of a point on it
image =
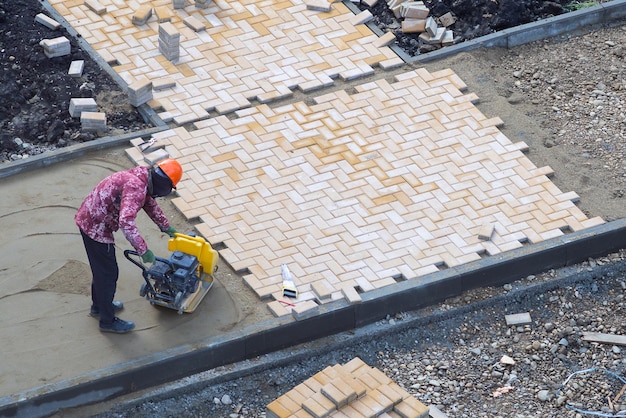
(36, 90)
(36, 93)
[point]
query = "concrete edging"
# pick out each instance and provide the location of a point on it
(332, 319)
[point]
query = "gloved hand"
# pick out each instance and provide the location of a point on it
(148, 257)
(171, 231)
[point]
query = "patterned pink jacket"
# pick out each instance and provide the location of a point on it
(114, 204)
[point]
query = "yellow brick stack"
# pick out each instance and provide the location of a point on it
(350, 390)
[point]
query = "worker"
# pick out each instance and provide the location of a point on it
(114, 204)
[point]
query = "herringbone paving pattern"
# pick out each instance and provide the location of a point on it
(357, 191)
(354, 191)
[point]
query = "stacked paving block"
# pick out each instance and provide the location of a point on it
(416, 18)
(351, 390)
(169, 41)
(486, 231)
(147, 152)
(93, 121)
(411, 10)
(322, 290)
(163, 83)
(163, 14)
(155, 156)
(304, 310)
(80, 105)
(140, 92)
(56, 47)
(194, 23)
(432, 33)
(178, 4)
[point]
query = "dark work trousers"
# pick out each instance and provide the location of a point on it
(105, 273)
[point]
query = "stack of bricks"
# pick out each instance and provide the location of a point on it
(140, 92)
(352, 390)
(147, 152)
(416, 18)
(178, 4)
(82, 104)
(169, 41)
(56, 47)
(194, 23)
(93, 121)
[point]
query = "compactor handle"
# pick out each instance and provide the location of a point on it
(136, 259)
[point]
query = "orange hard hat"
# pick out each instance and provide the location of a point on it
(172, 169)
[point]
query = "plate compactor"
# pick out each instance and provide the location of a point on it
(183, 280)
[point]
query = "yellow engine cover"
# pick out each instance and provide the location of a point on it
(196, 246)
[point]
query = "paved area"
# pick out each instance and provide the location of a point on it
(353, 191)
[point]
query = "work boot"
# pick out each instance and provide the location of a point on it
(117, 306)
(118, 326)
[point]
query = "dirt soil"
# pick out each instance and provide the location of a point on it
(471, 18)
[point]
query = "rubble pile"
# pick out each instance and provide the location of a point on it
(416, 18)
